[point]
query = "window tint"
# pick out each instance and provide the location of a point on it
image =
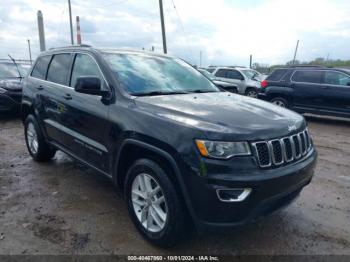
(308, 76)
(335, 78)
(58, 69)
(84, 65)
(221, 73)
(233, 74)
(40, 68)
(277, 74)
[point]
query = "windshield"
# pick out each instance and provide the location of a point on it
(206, 73)
(143, 74)
(9, 70)
(252, 74)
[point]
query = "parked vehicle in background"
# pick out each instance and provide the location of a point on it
(227, 86)
(11, 74)
(183, 153)
(317, 90)
(247, 80)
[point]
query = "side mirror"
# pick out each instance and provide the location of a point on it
(348, 84)
(89, 85)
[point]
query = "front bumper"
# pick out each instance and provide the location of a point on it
(10, 101)
(271, 190)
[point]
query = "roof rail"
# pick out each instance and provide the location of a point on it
(70, 46)
(320, 66)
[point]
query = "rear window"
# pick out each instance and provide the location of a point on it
(58, 70)
(308, 76)
(40, 67)
(277, 75)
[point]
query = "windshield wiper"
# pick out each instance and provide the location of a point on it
(159, 93)
(202, 91)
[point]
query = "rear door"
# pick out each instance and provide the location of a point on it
(308, 89)
(55, 101)
(337, 91)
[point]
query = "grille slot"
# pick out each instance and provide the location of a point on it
(277, 154)
(279, 151)
(263, 153)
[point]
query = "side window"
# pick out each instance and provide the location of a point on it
(277, 74)
(308, 76)
(221, 73)
(40, 67)
(234, 74)
(58, 69)
(335, 78)
(84, 65)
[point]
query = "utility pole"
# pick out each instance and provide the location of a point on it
(250, 61)
(30, 52)
(70, 23)
(295, 53)
(78, 31)
(163, 26)
(41, 31)
(200, 58)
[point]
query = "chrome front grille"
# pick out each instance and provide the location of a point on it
(277, 152)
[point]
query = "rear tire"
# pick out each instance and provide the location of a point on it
(159, 217)
(280, 101)
(37, 146)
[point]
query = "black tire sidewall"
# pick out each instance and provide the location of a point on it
(281, 99)
(251, 89)
(44, 152)
(175, 216)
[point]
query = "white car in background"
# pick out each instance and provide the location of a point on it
(247, 80)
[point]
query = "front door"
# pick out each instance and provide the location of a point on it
(88, 117)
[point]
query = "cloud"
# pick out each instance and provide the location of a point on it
(225, 31)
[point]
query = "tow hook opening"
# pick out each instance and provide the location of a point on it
(233, 194)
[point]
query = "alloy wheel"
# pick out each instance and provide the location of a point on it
(32, 139)
(252, 93)
(149, 202)
(279, 103)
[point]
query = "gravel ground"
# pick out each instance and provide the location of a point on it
(63, 207)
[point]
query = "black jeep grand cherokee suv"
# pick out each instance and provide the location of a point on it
(317, 90)
(181, 151)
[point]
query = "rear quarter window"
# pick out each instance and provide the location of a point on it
(277, 75)
(40, 67)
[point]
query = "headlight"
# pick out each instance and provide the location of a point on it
(2, 91)
(222, 150)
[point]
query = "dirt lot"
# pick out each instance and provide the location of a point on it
(63, 207)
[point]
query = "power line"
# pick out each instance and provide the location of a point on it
(188, 49)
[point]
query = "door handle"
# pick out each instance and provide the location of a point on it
(325, 87)
(40, 88)
(67, 97)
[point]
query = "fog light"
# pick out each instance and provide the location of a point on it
(233, 195)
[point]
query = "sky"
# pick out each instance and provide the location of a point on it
(226, 32)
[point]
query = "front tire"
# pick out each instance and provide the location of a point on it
(37, 146)
(153, 203)
(251, 92)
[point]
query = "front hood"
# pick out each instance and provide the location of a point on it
(13, 84)
(224, 115)
(223, 83)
